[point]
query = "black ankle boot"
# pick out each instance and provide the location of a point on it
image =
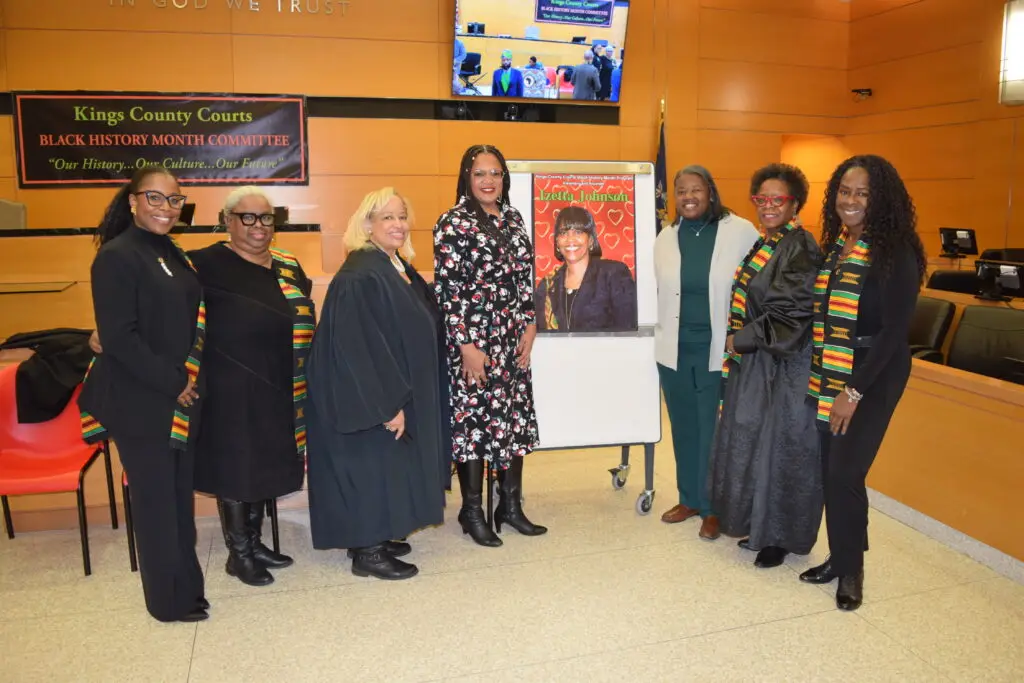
(821, 574)
(850, 593)
(263, 554)
(770, 556)
(234, 520)
(375, 561)
(510, 503)
(471, 516)
(392, 548)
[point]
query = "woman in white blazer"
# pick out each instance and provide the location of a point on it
(695, 260)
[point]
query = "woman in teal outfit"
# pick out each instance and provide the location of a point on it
(695, 260)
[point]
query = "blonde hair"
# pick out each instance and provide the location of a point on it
(357, 236)
(240, 193)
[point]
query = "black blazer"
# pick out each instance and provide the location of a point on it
(146, 300)
(606, 300)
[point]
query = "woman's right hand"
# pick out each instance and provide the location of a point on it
(189, 395)
(474, 364)
(94, 342)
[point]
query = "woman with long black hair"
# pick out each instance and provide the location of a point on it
(144, 390)
(483, 264)
(865, 296)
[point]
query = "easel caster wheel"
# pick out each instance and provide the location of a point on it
(618, 480)
(645, 503)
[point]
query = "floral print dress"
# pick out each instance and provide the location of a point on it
(483, 283)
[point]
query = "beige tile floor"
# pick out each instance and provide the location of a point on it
(607, 595)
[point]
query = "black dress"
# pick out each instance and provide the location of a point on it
(604, 302)
(375, 353)
(764, 475)
(246, 448)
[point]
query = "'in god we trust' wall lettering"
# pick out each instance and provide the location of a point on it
(324, 7)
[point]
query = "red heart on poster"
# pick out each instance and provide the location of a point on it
(554, 214)
(616, 216)
(542, 265)
(544, 185)
(540, 207)
(542, 229)
(595, 209)
(629, 209)
(628, 260)
(601, 227)
(629, 234)
(612, 241)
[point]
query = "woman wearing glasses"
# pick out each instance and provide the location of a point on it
(261, 322)
(144, 390)
(765, 477)
(482, 278)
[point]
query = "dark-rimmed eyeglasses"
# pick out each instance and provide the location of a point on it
(763, 200)
(157, 199)
(249, 219)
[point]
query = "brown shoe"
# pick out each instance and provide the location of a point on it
(709, 528)
(680, 513)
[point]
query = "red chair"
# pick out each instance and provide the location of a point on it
(48, 457)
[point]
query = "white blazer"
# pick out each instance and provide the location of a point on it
(734, 239)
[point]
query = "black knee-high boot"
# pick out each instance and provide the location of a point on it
(471, 516)
(263, 554)
(234, 520)
(510, 502)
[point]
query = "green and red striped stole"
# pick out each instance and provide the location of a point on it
(835, 321)
(93, 431)
(758, 257)
(303, 326)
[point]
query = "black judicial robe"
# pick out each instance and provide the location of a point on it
(765, 472)
(374, 353)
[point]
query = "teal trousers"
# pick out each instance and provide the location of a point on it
(691, 396)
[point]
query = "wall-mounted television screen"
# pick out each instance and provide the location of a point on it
(540, 49)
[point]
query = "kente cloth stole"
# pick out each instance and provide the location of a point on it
(835, 321)
(93, 431)
(303, 326)
(758, 257)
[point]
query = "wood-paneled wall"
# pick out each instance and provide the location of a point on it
(933, 66)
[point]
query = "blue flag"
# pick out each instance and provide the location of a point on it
(660, 182)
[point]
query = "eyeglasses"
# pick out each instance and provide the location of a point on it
(156, 199)
(763, 200)
(249, 219)
(488, 174)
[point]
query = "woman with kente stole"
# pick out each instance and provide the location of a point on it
(864, 300)
(144, 390)
(765, 481)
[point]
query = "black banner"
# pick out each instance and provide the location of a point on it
(582, 12)
(99, 139)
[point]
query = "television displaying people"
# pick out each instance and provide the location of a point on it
(586, 293)
(586, 79)
(507, 82)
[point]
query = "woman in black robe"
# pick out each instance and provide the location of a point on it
(764, 476)
(587, 293)
(259, 324)
(375, 448)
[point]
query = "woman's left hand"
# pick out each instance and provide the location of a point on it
(729, 348)
(525, 347)
(842, 413)
(94, 342)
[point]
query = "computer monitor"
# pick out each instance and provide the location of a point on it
(582, 40)
(476, 28)
(1000, 280)
(958, 242)
(188, 214)
(280, 215)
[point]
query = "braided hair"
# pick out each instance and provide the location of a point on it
(465, 187)
(890, 222)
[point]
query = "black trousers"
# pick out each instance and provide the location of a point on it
(845, 461)
(160, 481)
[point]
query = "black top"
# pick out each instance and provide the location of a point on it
(146, 300)
(246, 448)
(884, 313)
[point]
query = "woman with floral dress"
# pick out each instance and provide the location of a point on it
(482, 278)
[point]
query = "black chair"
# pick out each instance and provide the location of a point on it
(470, 73)
(962, 281)
(990, 341)
(928, 328)
(1012, 255)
